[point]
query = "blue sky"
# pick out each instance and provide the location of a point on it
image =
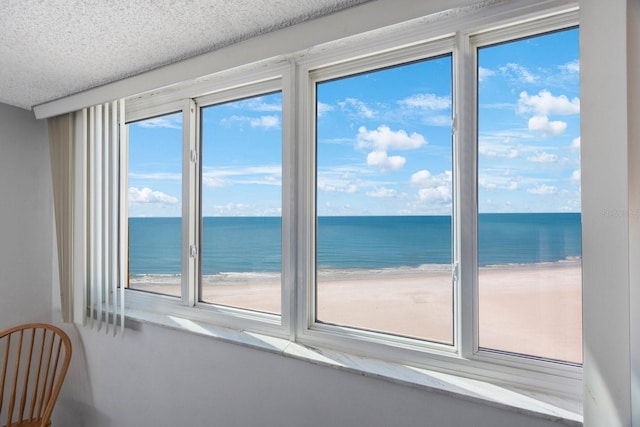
(384, 141)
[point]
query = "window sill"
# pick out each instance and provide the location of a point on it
(547, 407)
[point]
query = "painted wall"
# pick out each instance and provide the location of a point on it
(156, 376)
(26, 219)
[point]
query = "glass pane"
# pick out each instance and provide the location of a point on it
(529, 220)
(155, 204)
(384, 159)
(241, 203)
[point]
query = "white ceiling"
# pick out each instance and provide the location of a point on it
(53, 48)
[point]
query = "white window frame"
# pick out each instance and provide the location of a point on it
(294, 76)
(268, 80)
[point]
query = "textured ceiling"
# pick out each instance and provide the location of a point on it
(53, 48)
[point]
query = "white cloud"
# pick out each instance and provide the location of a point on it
(575, 144)
(160, 176)
(439, 193)
(427, 101)
(495, 151)
(242, 209)
(257, 104)
(336, 187)
(575, 176)
(543, 189)
(543, 158)
(382, 192)
(383, 139)
(433, 188)
(267, 122)
(542, 124)
(498, 182)
(323, 108)
(260, 175)
(571, 67)
(384, 161)
(360, 107)
(517, 72)
(214, 182)
(167, 122)
(484, 73)
(545, 104)
(147, 195)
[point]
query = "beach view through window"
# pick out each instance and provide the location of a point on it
(384, 202)
(155, 204)
(529, 222)
(242, 203)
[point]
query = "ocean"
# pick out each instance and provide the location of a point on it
(252, 244)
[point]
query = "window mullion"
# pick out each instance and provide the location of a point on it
(465, 196)
(290, 218)
(189, 205)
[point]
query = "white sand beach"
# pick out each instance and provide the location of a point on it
(531, 309)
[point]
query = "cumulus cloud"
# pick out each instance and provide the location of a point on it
(432, 188)
(543, 189)
(383, 139)
(384, 161)
(543, 158)
(427, 101)
(439, 193)
(147, 195)
(543, 125)
(545, 104)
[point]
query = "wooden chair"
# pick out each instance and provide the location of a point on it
(34, 361)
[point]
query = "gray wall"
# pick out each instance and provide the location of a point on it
(26, 219)
(156, 376)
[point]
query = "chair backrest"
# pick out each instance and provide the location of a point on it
(34, 359)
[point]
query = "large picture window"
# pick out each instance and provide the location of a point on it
(415, 200)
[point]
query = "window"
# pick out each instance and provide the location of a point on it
(384, 153)
(242, 203)
(155, 204)
(412, 197)
(529, 246)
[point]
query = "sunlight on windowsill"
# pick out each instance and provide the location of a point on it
(534, 404)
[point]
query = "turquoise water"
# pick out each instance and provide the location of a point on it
(252, 244)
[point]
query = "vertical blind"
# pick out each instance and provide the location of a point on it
(104, 232)
(85, 155)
